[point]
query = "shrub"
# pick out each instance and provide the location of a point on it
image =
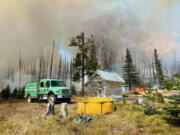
(149, 96)
(159, 97)
(73, 90)
(14, 93)
(175, 110)
(168, 85)
(5, 93)
(136, 93)
(124, 99)
(148, 85)
(150, 110)
(20, 93)
(178, 85)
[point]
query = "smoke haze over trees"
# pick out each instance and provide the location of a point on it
(28, 29)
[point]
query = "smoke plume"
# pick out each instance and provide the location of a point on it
(28, 26)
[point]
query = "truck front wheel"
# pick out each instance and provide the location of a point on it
(29, 99)
(51, 98)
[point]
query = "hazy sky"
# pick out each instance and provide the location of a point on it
(27, 22)
(27, 25)
(161, 18)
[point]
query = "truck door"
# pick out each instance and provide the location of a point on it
(42, 88)
(47, 86)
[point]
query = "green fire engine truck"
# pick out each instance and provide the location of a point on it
(47, 89)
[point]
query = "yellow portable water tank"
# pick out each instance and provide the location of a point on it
(95, 105)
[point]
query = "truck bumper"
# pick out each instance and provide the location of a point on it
(63, 96)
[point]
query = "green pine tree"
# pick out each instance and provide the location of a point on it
(159, 72)
(176, 81)
(84, 63)
(130, 73)
(92, 64)
(175, 109)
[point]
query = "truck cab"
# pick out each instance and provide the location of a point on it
(47, 89)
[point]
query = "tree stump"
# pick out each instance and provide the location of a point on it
(63, 110)
(140, 101)
(50, 110)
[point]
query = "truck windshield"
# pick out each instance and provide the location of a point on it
(57, 84)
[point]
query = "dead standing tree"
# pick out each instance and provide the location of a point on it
(33, 72)
(71, 72)
(40, 67)
(65, 68)
(43, 67)
(20, 70)
(52, 56)
(47, 63)
(59, 68)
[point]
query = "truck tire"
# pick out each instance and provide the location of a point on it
(29, 99)
(51, 98)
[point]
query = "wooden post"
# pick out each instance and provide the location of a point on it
(63, 110)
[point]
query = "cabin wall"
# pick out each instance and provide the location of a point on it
(112, 88)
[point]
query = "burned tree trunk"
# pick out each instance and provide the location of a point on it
(50, 110)
(65, 68)
(47, 63)
(71, 73)
(59, 68)
(33, 72)
(51, 65)
(20, 70)
(40, 67)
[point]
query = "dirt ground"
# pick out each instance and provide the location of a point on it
(22, 107)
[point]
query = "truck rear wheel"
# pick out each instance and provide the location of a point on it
(29, 99)
(51, 98)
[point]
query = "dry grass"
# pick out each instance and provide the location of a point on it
(168, 92)
(128, 119)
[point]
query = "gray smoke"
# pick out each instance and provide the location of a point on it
(28, 26)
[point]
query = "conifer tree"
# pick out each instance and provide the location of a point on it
(83, 64)
(130, 74)
(92, 64)
(158, 66)
(175, 109)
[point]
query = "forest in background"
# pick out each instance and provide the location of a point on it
(52, 63)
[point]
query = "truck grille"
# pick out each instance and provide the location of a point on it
(65, 91)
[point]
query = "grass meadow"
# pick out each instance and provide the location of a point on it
(22, 118)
